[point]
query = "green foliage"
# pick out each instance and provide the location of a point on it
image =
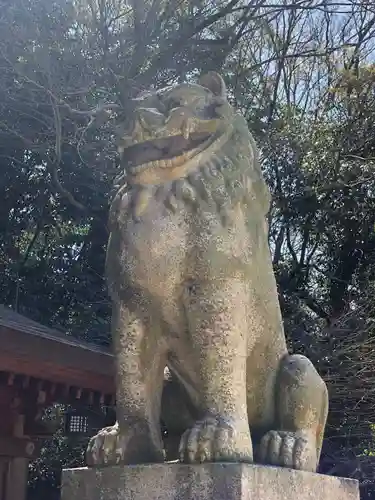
(303, 75)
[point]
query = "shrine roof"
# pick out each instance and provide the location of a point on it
(14, 320)
(31, 349)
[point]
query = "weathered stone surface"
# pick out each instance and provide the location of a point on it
(203, 482)
(190, 275)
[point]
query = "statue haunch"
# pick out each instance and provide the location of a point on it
(191, 279)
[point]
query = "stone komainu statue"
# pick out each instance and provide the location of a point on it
(191, 279)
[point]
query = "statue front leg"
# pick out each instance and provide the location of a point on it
(139, 366)
(217, 324)
(301, 414)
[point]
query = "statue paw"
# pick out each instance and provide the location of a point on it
(216, 439)
(295, 450)
(111, 446)
(106, 448)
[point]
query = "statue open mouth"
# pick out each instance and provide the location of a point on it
(167, 152)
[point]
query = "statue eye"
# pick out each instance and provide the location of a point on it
(212, 110)
(174, 102)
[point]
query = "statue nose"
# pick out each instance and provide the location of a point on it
(150, 118)
(177, 115)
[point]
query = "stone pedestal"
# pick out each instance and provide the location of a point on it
(203, 482)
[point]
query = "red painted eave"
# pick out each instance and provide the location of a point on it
(30, 349)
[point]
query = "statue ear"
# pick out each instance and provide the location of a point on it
(214, 82)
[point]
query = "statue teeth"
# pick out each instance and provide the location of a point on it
(178, 160)
(186, 130)
(166, 163)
